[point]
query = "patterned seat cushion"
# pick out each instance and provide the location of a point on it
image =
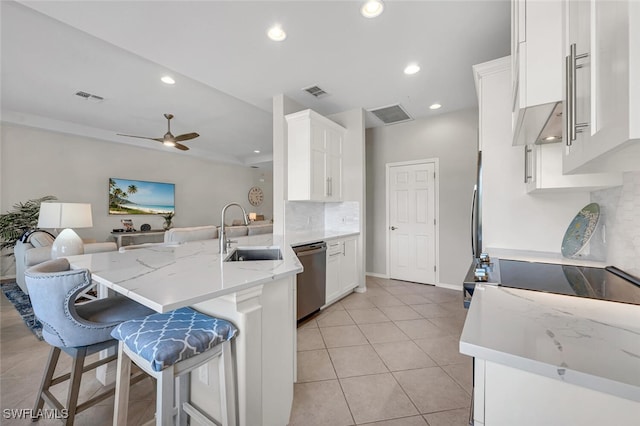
(165, 339)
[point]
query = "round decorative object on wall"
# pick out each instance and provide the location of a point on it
(145, 227)
(256, 196)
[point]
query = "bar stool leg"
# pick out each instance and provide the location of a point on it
(54, 355)
(165, 409)
(121, 404)
(227, 386)
(183, 394)
(74, 384)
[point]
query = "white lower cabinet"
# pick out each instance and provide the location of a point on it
(543, 172)
(510, 396)
(342, 267)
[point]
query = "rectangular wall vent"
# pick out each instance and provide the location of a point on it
(89, 97)
(391, 114)
(315, 91)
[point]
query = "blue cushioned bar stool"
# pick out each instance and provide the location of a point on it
(78, 329)
(168, 347)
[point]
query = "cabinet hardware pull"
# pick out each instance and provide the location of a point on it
(525, 164)
(568, 99)
(574, 128)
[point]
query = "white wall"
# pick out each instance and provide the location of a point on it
(621, 209)
(452, 138)
(76, 169)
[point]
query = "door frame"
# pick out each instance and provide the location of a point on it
(435, 162)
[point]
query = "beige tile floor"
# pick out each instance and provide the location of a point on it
(386, 357)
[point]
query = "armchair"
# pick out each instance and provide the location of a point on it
(37, 249)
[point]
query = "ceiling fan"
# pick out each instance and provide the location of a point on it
(168, 139)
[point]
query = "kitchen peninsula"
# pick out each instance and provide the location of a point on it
(257, 296)
(552, 359)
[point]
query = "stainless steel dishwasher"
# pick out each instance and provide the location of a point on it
(312, 281)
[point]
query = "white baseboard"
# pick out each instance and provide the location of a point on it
(376, 275)
(457, 287)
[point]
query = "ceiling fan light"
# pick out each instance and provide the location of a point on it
(372, 8)
(169, 143)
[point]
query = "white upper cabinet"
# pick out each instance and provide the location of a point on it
(543, 172)
(314, 157)
(602, 92)
(536, 67)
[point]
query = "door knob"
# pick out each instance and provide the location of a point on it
(393, 228)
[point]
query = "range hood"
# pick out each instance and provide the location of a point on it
(539, 124)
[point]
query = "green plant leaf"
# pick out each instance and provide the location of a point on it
(22, 218)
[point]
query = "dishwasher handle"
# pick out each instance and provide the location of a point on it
(310, 252)
(310, 249)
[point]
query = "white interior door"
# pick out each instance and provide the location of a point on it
(412, 210)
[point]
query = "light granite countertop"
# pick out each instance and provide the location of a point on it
(164, 277)
(299, 238)
(589, 343)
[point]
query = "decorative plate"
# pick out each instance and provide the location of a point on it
(256, 196)
(580, 230)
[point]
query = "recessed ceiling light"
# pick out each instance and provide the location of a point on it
(435, 106)
(276, 33)
(411, 69)
(168, 80)
(257, 151)
(372, 8)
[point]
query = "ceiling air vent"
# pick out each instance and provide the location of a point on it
(391, 114)
(89, 96)
(315, 91)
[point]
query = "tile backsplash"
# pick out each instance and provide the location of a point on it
(305, 216)
(621, 210)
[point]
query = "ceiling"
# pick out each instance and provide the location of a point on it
(226, 69)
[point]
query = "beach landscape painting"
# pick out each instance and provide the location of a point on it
(129, 197)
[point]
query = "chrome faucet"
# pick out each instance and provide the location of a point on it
(223, 233)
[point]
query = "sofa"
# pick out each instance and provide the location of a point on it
(195, 233)
(36, 248)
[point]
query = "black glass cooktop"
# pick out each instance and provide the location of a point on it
(596, 283)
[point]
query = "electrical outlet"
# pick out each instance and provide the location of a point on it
(203, 374)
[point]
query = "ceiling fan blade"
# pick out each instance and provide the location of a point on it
(140, 137)
(182, 147)
(186, 137)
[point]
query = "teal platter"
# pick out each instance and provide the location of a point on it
(580, 230)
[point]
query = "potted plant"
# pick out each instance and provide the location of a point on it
(22, 218)
(167, 220)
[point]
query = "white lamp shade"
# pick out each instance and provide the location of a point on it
(65, 215)
(67, 243)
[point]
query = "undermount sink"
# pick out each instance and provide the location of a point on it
(254, 253)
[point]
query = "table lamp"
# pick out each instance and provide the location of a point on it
(67, 216)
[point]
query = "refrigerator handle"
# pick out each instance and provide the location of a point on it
(473, 221)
